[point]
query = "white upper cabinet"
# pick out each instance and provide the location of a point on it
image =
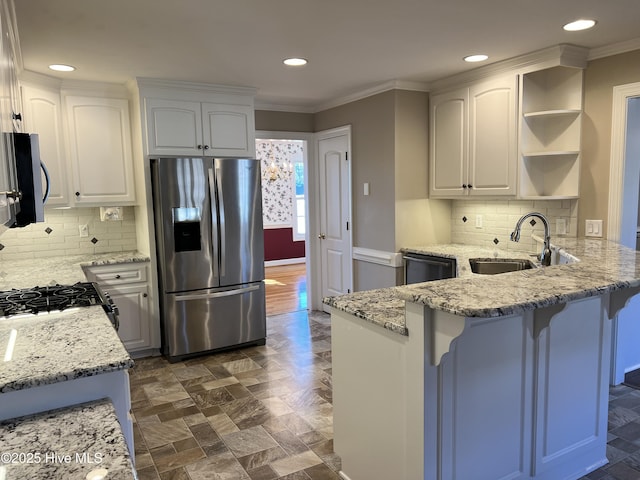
(99, 137)
(448, 144)
(473, 140)
(550, 133)
(43, 115)
(182, 118)
(176, 127)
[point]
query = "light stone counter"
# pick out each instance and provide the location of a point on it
(65, 443)
(61, 346)
(603, 267)
(62, 270)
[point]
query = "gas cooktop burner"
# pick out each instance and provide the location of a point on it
(51, 298)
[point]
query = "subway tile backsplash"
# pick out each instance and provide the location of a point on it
(498, 219)
(59, 235)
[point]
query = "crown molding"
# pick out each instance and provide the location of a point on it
(563, 54)
(375, 90)
(145, 83)
(614, 49)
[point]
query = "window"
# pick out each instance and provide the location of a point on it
(299, 200)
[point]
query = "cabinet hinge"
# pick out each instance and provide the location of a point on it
(347, 226)
(348, 290)
(346, 156)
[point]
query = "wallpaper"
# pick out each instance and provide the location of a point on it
(276, 161)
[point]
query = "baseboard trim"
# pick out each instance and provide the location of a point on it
(284, 261)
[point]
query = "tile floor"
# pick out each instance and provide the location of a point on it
(265, 413)
(258, 413)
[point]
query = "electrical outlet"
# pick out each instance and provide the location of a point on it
(84, 230)
(478, 221)
(593, 228)
(561, 226)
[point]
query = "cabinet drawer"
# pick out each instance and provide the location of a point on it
(117, 274)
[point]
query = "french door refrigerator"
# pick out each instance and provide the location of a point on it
(208, 218)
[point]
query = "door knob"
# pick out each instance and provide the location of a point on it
(322, 236)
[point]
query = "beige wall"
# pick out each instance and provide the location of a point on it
(283, 121)
(600, 77)
(419, 221)
(372, 121)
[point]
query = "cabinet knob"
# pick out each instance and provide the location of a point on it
(145, 295)
(464, 185)
(117, 276)
(77, 194)
(206, 147)
(470, 186)
(200, 147)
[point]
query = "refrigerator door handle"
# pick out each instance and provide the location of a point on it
(225, 293)
(215, 188)
(213, 194)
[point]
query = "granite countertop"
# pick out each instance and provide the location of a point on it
(55, 347)
(66, 443)
(58, 346)
(603, 267)
(63, 270)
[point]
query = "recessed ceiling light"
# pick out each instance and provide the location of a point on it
(295, 62)
(62, 68)
(476, 58)
(581, 24)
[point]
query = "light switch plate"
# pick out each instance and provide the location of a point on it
(593, 228)
(478, 221)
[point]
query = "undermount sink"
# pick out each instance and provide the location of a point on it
(493, 266)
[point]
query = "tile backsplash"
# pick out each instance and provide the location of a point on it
(498, 219)
(59, 235)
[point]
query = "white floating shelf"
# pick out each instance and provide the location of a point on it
(552, 113)
(551, 153)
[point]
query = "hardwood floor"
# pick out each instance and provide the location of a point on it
(286, 288)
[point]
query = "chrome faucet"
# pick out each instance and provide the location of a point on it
(545, 255)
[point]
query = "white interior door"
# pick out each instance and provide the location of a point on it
(334, 235)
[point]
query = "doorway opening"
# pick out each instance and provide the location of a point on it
(283, 163)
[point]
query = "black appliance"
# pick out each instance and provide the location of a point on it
(28, 165)
(56, 298)
(426, 268)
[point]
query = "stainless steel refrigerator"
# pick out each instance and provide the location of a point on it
(208, 217)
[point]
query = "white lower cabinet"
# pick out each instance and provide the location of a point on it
(517, 397)
(127, 286)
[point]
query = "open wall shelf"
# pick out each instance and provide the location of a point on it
(550, 126)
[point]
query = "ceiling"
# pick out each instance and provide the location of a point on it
(351, 45)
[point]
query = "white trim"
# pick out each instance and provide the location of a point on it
(369, 92)
(389, 259)
(284, 261)
(621, 96)
(275, 226)
(276, 107)
(614, 49)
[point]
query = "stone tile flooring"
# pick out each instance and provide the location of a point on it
(258, 413)
(623, 448)
(265, 413)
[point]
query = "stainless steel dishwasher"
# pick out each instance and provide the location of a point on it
(425, 268)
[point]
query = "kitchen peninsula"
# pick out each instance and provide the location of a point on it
(61, 359)
(481, 376)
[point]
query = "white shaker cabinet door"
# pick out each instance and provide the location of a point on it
(100, 150)
(174, 127)
(229, 130)
(493, 137)
(448, 144)
(43, 115)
